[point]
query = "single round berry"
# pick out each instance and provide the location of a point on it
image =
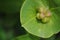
(45, 20)
(40, 15)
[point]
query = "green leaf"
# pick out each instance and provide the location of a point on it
(51, 38)
(26, 37)
(30, 23)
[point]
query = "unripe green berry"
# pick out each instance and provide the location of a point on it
(44, 15)
(45, 20)
(40, 15)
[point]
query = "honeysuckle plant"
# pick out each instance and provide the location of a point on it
(40, 17)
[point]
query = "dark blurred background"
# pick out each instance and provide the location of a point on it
(10, 25)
